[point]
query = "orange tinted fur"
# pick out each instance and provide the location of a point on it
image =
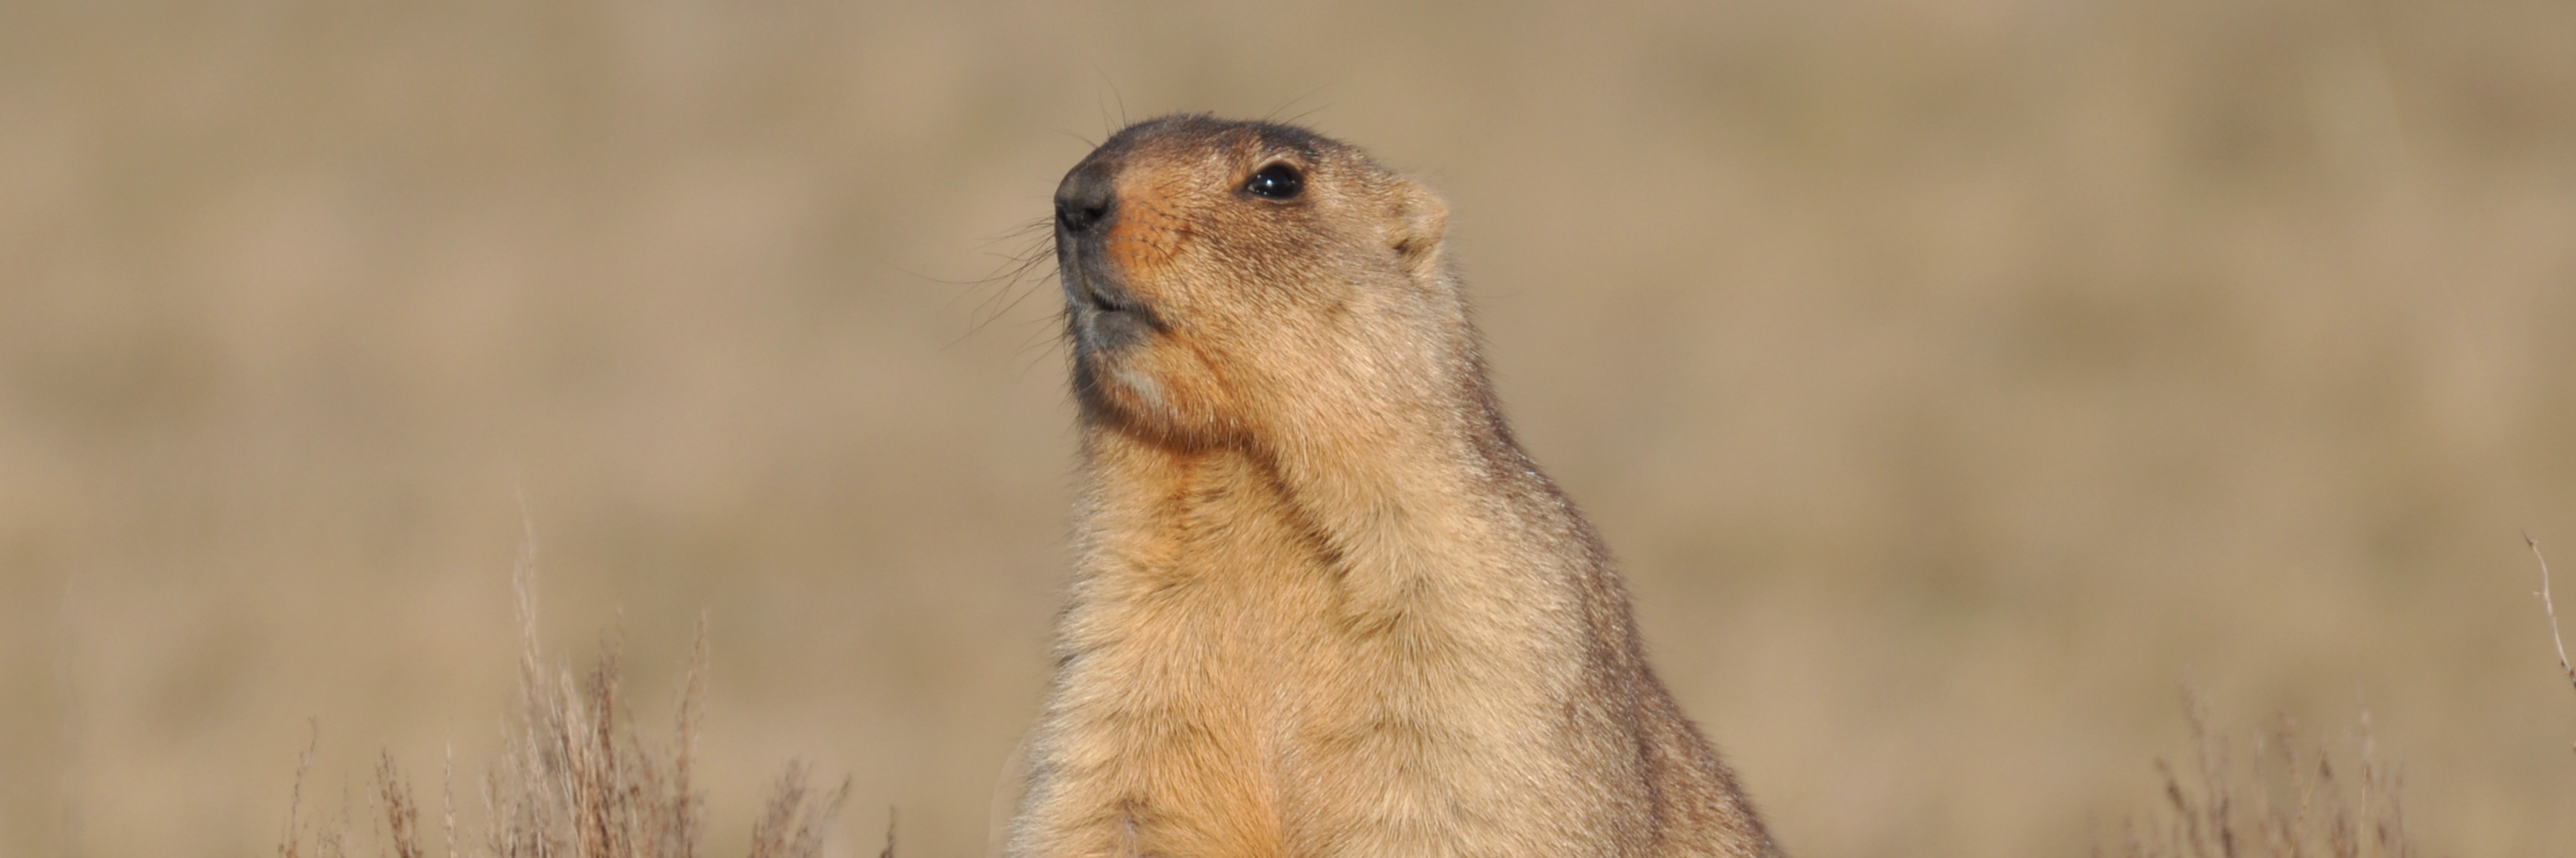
(1323, 605)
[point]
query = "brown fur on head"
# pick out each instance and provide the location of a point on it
(1219, 276)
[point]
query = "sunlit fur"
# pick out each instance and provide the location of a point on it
(1323, 605)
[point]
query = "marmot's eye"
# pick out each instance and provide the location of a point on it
(1276, 182)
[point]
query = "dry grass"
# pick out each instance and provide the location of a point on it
(2279, 795)
(575, 778)
(2549, 607)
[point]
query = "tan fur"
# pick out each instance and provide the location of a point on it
(1323, 604)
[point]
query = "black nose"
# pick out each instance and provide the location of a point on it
(1087, 198)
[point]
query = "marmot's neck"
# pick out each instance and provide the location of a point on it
(1399, 501)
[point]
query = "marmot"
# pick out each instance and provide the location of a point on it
(1323, 604)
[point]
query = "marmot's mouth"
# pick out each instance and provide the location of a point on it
(1092, 293)
(1103, 315)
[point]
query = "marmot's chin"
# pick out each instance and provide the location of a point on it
(1108, 380)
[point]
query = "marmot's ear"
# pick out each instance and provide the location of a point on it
(1421, 220)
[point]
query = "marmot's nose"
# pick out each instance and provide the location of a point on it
(1086, 198)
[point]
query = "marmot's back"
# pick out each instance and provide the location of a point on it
(1323, 603)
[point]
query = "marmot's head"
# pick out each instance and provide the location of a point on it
(1226, 280)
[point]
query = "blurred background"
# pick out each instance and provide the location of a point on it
(1957, 379)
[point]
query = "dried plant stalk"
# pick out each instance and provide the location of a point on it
(2550, 608)
(291, 844)
(2284, 800)
(792, 824)
(575, 780)
(402, 815)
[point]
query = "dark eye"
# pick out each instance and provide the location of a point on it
(1276, 182)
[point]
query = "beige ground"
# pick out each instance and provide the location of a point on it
(1957, 379)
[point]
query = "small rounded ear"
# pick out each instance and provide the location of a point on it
(1421, 220)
